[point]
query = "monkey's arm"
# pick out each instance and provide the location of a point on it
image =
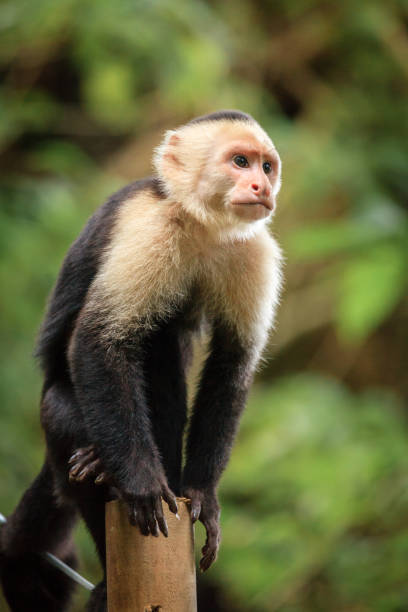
(108, 383)
(218, 405)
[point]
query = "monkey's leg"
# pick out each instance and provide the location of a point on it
(59, 413)
(91, 503)
(41, 522)
(98, 600)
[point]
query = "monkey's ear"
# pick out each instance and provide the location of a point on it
(174, 138)
(167, 158)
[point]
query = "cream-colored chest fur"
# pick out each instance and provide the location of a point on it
(155, 259)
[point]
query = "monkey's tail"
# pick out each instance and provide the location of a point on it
(41, 522)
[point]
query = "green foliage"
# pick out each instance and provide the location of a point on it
(372, 285)
(371, 271)
(312, 492)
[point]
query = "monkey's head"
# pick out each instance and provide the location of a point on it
(223, 169)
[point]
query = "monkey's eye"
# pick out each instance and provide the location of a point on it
(267, 168)
(241, 161)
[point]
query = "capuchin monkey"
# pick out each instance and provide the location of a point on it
(160, 259)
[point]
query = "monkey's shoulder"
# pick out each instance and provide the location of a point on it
(81, 265)
(97, 232)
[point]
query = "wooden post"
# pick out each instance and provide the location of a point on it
(148, 574)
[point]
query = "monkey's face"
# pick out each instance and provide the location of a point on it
(241, 177)
(226, 173)
(253, 170)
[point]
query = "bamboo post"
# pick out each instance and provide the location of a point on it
(148, 574)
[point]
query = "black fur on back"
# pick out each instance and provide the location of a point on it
(76, 275)
(229, 115)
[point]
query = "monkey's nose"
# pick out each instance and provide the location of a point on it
(261, 189)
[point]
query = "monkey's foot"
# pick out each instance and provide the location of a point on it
(86, 464)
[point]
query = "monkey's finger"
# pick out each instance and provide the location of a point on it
(102, 478)
(158, 510)
(170, 500)
(133, 516)
(89, 470)
(151, 519)
(195, 510)
(211, 546)
(207, 560)
(142, 521)
(210, 549)
(76, 468)
(81, 463)
(80, 452)
(74, 473)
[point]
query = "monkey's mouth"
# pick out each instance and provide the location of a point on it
(253, 203)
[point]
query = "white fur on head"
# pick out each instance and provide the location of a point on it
(186, 164)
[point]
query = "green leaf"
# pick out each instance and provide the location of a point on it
(369, 289)
(109, 93)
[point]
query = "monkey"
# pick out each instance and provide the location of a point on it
(164, 257)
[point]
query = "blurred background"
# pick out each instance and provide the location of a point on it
(315, 499)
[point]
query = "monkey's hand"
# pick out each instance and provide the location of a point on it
(205, 507)
(144, 501)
